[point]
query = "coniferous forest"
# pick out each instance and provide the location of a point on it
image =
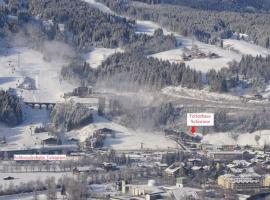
(10, 109)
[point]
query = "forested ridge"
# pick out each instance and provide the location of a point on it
(68, 116)
(134, 69)
(10, 109)
(206, 25)
(87, 27)
(219, 5)
(77, 24)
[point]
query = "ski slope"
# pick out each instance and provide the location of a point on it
(246, 48)
(99, 6)
(16, 63)
(98, 55)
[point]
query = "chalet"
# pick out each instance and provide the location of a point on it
(174, 169)
(73, 140)
(201, 55)
(194, 162)
(75, 171)
(213, 55)
(104, 131)
(161, 166)
(82, 91)
(109, 166)
(258, 97)
(50, 141)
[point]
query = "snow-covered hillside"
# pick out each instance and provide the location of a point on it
(125, 138)
(22, 136)
(256, 138)
(148, 27)
(226, 55)
(99, 6)
(98, 55)
(246, 48)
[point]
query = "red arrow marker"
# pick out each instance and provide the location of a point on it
(193, 130)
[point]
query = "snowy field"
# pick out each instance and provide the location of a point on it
(125, 138)
(30, 176)
(246, 48)
(148, 27)
(203, 64)
(256, 138)
(98, 55)
(134, 138)
(94, 189)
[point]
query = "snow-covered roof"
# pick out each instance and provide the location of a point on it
(226, 152)
(181, 193)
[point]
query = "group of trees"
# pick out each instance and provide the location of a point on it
(68, 116)
(10, 109)
(147, 44)
(130, 111)
(205, 25)
(250, 72)
(134, 114)
(134, 70)
(86, 26)
(9, 11)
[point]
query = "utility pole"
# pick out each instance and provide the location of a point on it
(19, 60)
(141, 145)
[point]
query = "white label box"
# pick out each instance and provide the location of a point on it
(200, 119)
